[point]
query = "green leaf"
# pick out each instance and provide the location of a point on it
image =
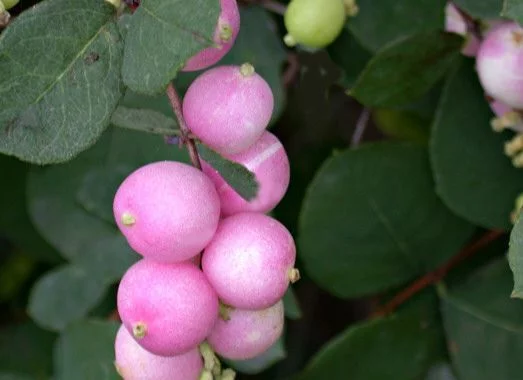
(15, 224)
(162, 36)
(239, 177)
(515, 257)
(85, 351)
(259, 44)
(406, 69)
(64, 295)
(473, 176)
(376, 26)
(369, 219)
(263, 361)
(441, 371)
(14, 376)
(512, 9)
(484, 326)
(404, 125)
(350, 56)
(144, 120)
(403, 347)
(291, 305)
(26, 349)
(59, 79)
(486, 9)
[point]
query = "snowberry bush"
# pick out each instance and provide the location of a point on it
(261, 189)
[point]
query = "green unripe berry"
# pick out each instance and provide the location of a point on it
(314, 23)
(8, 4)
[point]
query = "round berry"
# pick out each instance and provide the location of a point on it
(250, 261)
(456, 23)
(499, 64)
(133, 362)
(168, 308)
(224, 37)
(269, 163)
(247, 333)
(228, 107)
(314, 23)
(168, 211)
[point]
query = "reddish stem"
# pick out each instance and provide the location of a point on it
(436, 275)
(176, 105)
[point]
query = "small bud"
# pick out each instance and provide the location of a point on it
(226, 33)
(228, 374)
(351, 8)
(206, 375)
(247, 70)
(128, 219)
(139, 330)
(514, 146)
(294, 275)
(115, 3)
(289, 40)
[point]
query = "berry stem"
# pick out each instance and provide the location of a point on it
(361, 125)
(436, 275)
(176, 105)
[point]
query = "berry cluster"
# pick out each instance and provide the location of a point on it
(215, 267)
(498, 47)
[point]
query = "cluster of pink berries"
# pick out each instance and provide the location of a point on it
(228, 297)
(499, 63)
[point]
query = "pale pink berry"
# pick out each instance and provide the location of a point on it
(500, 64)
(456, 23)
(228, 107)
(133, 362)
(168, 308)
(250, 261)
(224, 37)
(247, 333)
(168, 211)
(269, 163)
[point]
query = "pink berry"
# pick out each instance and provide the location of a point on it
(268, 161)
(168, 308)
(247, 333)
(250, 261)
(224, 37)
(456, 23)
(228, 107)
(500, 64)
(168, 211)
(133, 362)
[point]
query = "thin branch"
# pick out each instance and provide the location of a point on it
(436, 275)
(176, 105)
(361, 125)
(292, 70)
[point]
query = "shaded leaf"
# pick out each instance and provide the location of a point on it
(59, 79)
(440, 372)
(515, 257)
(484, 326)
(404, 125)
(350, 56)
(486, 9)
(512, 9)
(162, 36)
(85, 351)
(26, 349)
(291, 305)
(144, 120)
(369, 220)
(242, 180)
(403, 347)
(406, 69)
(473, 176)
(64, 295)
(376, 26)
